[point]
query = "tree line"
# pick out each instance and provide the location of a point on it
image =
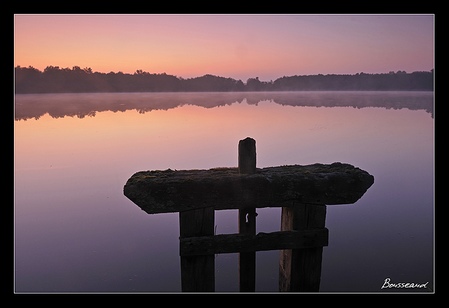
(54, 79)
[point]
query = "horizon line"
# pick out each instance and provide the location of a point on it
(209, 74)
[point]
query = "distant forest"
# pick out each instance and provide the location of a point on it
(83, 80)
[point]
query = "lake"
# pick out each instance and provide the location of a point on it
(76, 232)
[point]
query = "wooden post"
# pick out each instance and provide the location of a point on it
(196, 194)
(247, 156)
(300, 269)
(247, 218)
(197, 272)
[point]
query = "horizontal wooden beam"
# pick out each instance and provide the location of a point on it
(233, 243)
(225, 188)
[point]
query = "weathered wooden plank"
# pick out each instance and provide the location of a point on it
(225, 188)
(232, 243)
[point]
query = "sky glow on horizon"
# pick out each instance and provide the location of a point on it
(236, 46)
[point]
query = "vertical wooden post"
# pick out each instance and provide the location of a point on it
(197, 272)
(247, 260)
(247, 218)
(300, 269)
(247, 156)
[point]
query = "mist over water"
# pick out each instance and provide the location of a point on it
(75, 231)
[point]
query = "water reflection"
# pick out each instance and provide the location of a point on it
(28, 106)
(76, 232)
(302, 191)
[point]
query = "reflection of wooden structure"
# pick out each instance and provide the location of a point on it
(302, 191)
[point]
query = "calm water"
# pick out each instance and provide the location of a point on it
(75, 231)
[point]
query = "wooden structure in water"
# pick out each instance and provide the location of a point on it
(303, 192)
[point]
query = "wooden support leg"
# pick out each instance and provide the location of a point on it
(247, 218)
(300, 269)
(247, 260)
(197, 272)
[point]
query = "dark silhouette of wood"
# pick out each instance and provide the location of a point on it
(247, 218)
(197, 272)
(302, 191)
(225, 188)
(233, 243)
(247, 156)
(300, 268)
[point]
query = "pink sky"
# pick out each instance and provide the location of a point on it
(236, 46)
